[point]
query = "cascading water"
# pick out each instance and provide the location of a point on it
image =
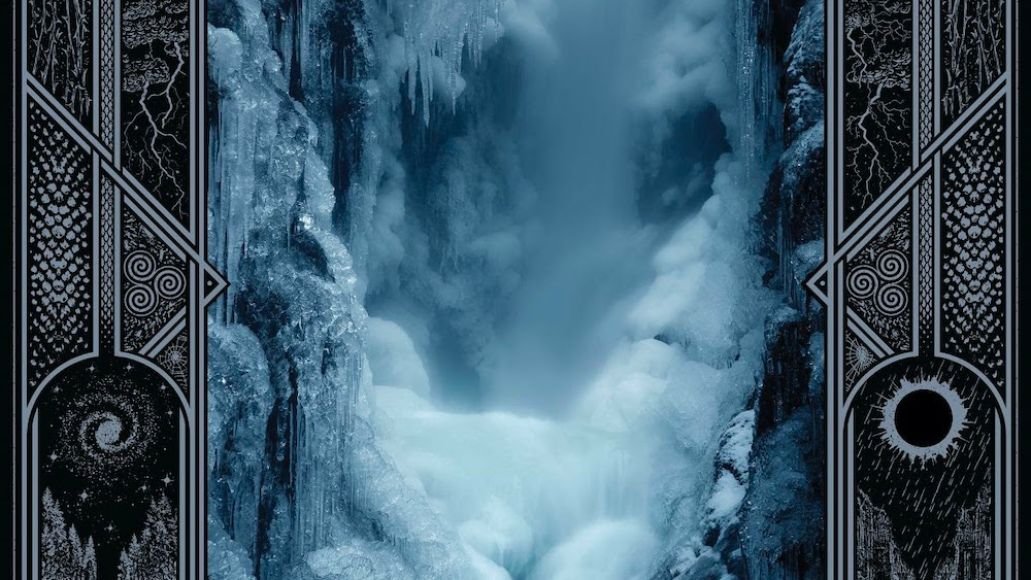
(494, 302)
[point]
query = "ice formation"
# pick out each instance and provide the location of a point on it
(495, 309)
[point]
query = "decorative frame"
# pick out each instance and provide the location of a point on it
(919, 283)
(111, 286)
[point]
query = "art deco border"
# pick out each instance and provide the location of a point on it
(111, 284)
(919, 281)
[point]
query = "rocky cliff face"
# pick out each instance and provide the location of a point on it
(778, 530)
(782, 532)
(298, 485)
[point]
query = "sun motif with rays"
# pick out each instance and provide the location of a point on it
(923, 419)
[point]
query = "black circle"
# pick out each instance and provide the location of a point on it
(923, 418)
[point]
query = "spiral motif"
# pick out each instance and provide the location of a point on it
(150, 284)
(892, 265)
(113, 418)
(141, 300)
(862, 282)
(140, 266)
(169, 282)
(105, 432)
(882, 282)
(891, 299)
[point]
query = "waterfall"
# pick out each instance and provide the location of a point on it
(758, 108)
(493, 298)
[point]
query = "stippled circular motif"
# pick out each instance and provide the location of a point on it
(109, 429)
(923, 418)
(923, 432)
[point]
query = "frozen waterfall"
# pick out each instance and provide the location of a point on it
(495, 308)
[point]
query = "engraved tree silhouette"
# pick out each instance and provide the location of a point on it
(155, 69)
(152, 555)
(972, 50)
(59, 50)
(877, 38)
(63, 555)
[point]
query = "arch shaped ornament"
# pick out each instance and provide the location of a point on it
(111, 287)
(919, 284)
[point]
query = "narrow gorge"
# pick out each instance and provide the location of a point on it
(516, 289)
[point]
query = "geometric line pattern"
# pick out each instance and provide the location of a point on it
(927, 81)
(112, 283)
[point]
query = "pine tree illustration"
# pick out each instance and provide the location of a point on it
(63, 555)
(89, 560)
(152, 554)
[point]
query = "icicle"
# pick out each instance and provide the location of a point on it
(436, 33)
(756, 89)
